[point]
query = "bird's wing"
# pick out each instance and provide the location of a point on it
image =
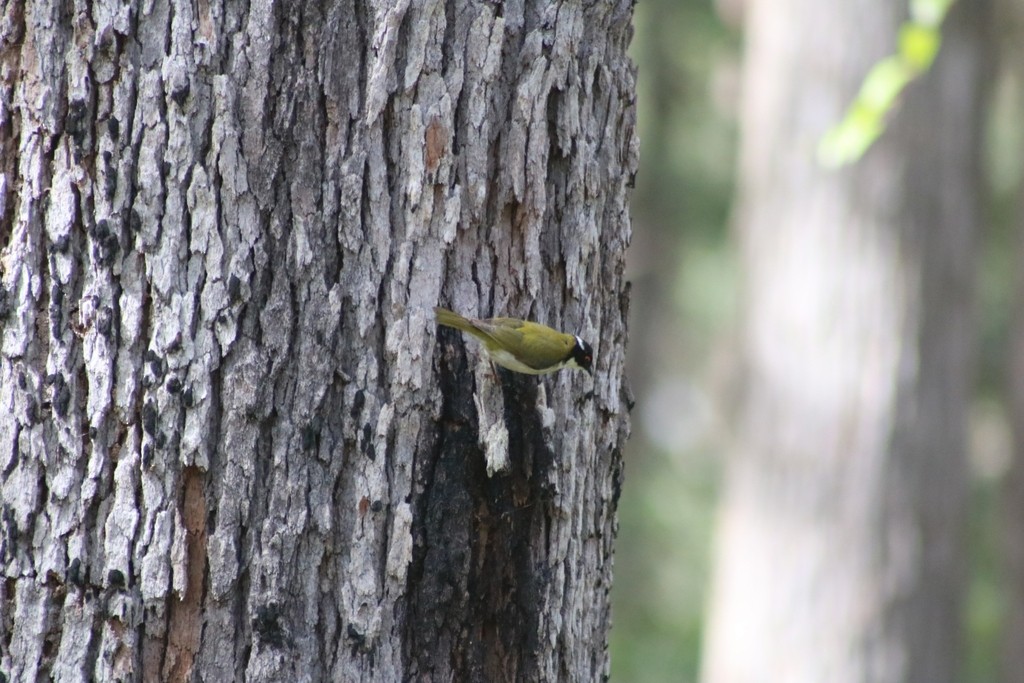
(508, 333)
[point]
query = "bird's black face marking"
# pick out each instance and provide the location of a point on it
(582, 354)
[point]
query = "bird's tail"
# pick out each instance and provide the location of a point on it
(452, 319)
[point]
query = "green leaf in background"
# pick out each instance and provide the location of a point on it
(919, 42)
(918, 45)
(865, 120)
(883, 85)
(848, 141)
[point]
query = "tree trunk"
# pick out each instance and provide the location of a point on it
(233, 444)
(841, 550)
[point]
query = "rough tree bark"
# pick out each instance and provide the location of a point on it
(841, 550)
(233, 445)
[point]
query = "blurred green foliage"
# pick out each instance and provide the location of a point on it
(991, 451)
(684, 291)
(919, 42)
(685, 277)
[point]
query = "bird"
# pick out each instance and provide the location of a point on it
(522, 345)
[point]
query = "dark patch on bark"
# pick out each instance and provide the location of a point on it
(442, 528)
(478, 536)
(269, 625)
(501, 637)
(115, 579)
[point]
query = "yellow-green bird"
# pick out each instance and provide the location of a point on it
(521, 345)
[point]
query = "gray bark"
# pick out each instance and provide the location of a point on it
(841, 551)
(233, 444)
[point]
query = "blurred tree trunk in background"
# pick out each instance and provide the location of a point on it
(841, 551)
(231, 447)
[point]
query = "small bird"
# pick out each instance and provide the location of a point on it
(521, 345)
